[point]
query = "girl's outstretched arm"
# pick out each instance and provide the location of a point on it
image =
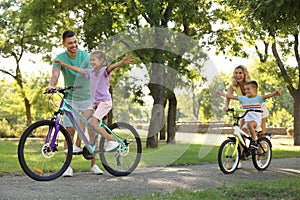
(229, 96)
(126, 60)
(74, 68)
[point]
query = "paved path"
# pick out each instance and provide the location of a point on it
(142, 182)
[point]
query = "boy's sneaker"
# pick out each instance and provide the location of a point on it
(96, 170)
(68, 172)
(111, 145)
(253, 144)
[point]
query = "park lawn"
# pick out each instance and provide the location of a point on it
(283, 188)
(165, 155)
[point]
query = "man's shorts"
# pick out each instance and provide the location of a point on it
(102, 109)
(78, 106)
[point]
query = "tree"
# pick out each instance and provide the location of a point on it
(12, 108)
(276, 23)
(17, 38)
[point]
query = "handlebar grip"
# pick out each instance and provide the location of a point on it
(50, 91)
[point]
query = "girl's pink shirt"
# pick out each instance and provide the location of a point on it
(99, 84)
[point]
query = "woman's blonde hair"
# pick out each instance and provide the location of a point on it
(245, 71)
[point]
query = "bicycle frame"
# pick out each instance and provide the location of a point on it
(67, 109)
(238, 133)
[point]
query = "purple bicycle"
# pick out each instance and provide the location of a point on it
(45, 148)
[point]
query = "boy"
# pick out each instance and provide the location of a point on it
(251, 101)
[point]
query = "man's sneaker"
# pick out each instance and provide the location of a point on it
(76, 149)
(253, 144)
(111, 145)
(68, 172)
(96, 170)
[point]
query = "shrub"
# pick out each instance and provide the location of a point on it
(5, 129)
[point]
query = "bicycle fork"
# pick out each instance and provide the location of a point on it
(52, 144)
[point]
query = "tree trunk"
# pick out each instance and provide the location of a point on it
(162, 133)
(28, 111)
(294, 92)
(157, 117)
(297, 119)
(157, 90)
(171, 128)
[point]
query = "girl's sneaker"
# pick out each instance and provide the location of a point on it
(111, 145)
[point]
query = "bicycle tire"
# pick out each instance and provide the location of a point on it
(262, 157)
(122, 163)
(228, 163)
(35, 158)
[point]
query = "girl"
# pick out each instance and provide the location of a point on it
(101, 97)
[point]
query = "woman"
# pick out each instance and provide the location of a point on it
(239, 78)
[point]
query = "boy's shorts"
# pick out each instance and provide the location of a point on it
(78, 106)
(102, 109)
(258, 125)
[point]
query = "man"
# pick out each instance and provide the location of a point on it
(79, 99)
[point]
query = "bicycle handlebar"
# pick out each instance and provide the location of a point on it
(62, 90)
(245, 111)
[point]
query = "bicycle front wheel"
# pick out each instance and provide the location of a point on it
(124, 160)
(263, 156)
(37, 158)
(228, 156)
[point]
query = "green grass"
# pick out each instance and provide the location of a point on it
(165, 155)
(283, 188)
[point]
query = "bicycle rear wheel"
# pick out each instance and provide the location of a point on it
(263, 156)
(122, 162)
(228, 159)
(36, 157)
